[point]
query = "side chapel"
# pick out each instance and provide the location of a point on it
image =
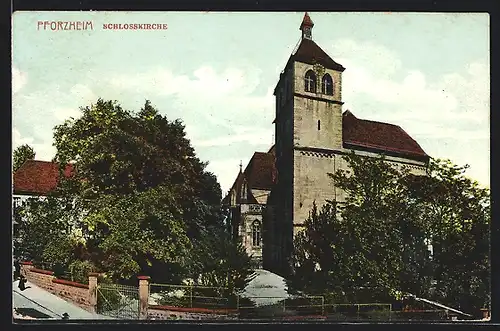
(270, 200)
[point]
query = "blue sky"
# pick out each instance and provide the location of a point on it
(427, 72)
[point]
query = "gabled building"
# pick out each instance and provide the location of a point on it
(312, 134)
(37, 178)
(34, 179)
(247, 199)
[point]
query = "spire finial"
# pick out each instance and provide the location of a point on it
(306, 26)
(241, 165)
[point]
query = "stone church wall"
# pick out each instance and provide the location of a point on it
(300, 73)
(312, 183)
(260, 195)
(307, 112)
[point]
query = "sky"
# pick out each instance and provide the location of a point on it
(216, 71)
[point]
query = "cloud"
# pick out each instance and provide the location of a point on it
(205, 82)
(250, 135)
(226, 170)
(220, 108)
(35, 114)
(214, 104)
(44, 150)
(382, 61)
(19, 79)
(448, 116)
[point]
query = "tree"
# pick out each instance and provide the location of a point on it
(22, 154)
(46, 231)
(221, 262)
(140, 198)
(376, 242)
(457, 211)
(355, 247)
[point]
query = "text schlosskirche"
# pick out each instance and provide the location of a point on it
(135, 26)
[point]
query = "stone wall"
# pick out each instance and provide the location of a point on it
(246, 234)
(73, 292)
(84, 296)
(311, 182)
(309, 108)
(261, 195)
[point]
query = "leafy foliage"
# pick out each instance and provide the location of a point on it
(22, 154)
(45, 231)
(79, 271)
(222, 262)
(139, 201)
(374, 246)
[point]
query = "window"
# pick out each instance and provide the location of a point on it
(327, 85)
(310, 81)
(17, 202)
(319, 125)
(256, 233)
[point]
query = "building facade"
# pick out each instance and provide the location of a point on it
(312, 134)
(247, 200)
(34, 179)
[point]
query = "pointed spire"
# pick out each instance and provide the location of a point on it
(306, 26)
(241, 166)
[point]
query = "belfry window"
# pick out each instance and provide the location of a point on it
(327, 85)
(256, 233)
(310, 81)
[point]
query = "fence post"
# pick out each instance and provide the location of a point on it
(143, 296)
(93, 291)
(191, 296)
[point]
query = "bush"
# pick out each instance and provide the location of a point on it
(79, 271)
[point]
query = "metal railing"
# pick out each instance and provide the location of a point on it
(269, 307)
(119, 301)
(359, 311)
(187, 296)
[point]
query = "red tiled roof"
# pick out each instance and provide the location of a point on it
(306, 21)
(379, 136)
(260, 171)
(37, 177)
(309, 52)
(236, 189)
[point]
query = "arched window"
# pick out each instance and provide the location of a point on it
(256, 233)
(310, 81)
(327, 85)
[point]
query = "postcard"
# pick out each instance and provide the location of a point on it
(242, 166)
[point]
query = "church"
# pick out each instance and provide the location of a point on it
(271, 198)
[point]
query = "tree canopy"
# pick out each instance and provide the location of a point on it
(398, 233)
(22, 154)
(139, 198)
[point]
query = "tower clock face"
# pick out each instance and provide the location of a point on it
(319, 70)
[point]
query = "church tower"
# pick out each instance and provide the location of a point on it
(308, 136)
